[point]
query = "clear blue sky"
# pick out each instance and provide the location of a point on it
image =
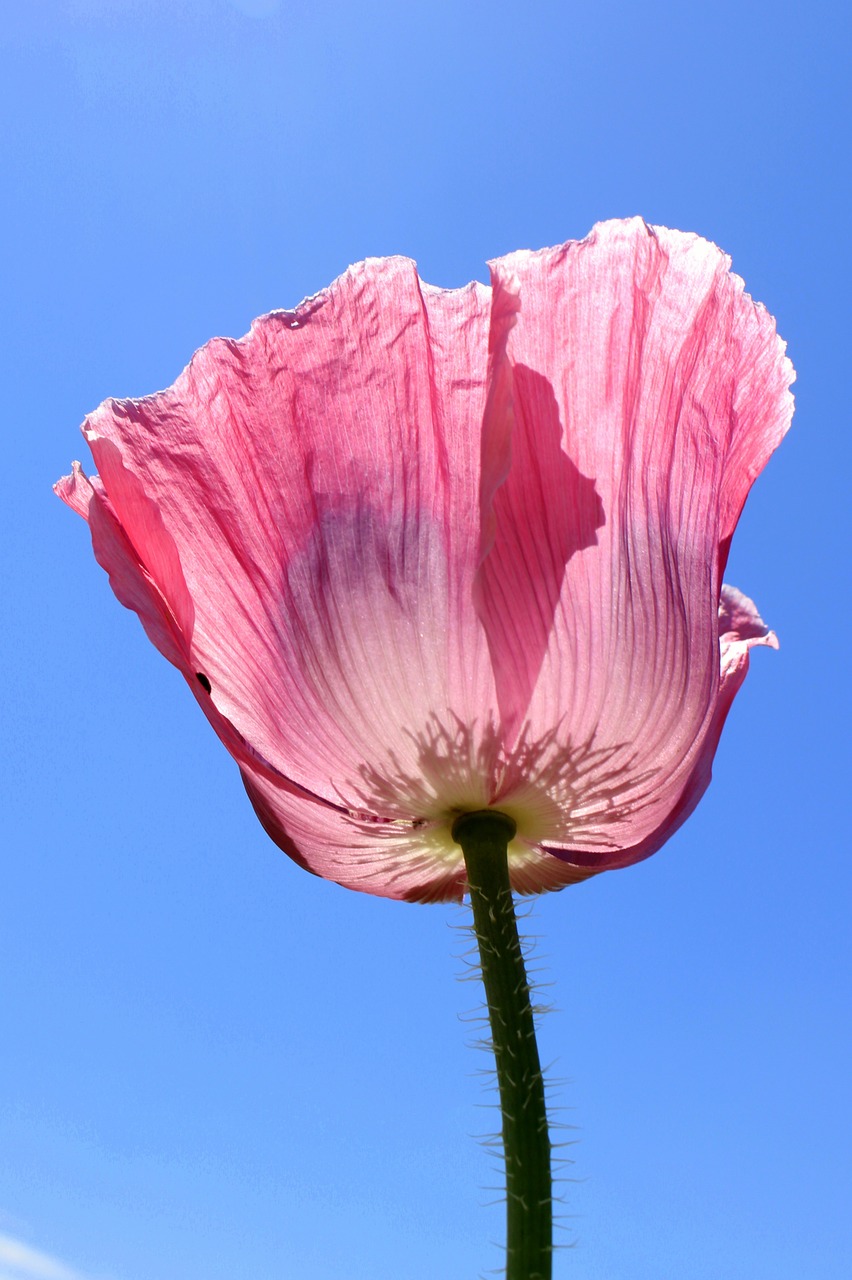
(212, 1065)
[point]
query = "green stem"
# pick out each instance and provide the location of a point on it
(484, 837)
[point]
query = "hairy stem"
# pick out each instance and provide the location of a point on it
(484, 837)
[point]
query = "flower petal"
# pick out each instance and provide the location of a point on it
(318, 483)
(136, 590)
(740, 628)
(128, 578)
(538, 510)
(416, 862)
(667, 389)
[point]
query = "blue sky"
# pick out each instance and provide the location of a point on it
(216, 1067)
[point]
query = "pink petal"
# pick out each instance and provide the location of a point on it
(136, 590)
(305, 502)
(416, 862)
(740, 627)
(538, 510)
(128, 578)
(669, 391)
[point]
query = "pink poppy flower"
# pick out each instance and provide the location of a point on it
(422, 551)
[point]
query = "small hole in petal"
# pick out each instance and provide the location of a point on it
(203, 681)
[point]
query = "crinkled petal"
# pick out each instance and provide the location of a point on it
(133, 586)
(136, 590)
(740, 628)
(656, 389)
(306, 503)
(538, 510)
(413, 861)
